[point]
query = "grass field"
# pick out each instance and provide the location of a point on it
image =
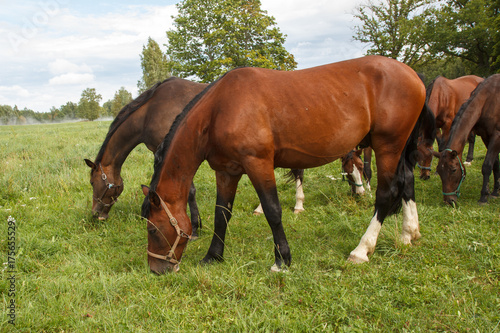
(77, 274)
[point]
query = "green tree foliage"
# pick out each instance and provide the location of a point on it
(464, 29)
(393, 28)
(495, 12)
(88, 107)
(154, 66)
(122, 98)
(212, 37)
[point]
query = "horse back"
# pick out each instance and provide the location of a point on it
(316, 114)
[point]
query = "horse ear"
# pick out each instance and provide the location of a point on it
(154, 199)
(454, 153)
(145, 190)
(90, 164)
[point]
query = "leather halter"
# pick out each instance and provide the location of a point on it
(108, 187)
(180, 234)
(457, 191)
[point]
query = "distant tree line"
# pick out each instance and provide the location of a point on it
(88, 108)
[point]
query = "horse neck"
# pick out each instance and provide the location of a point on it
(186, 152)
(119, 146)
(460, 131)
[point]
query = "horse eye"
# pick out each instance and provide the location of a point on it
(152, 231)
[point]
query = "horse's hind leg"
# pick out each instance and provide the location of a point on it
(299, 191)
(470, 153)
(226, 191)
(194, 212)
(496, 178)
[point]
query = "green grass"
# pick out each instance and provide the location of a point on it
(76, 274)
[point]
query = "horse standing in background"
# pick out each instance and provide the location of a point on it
(147, 119)
(444, 98)
(253, 120)
(481, 113)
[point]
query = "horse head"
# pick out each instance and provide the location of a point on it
(166, 239)
(452, 172)
(352, 164)
(425, 155)
(106, 190)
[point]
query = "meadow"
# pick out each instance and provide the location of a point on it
(73, 273)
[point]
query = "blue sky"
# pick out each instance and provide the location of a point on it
(51, 50)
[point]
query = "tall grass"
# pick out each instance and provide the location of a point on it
(77, 274)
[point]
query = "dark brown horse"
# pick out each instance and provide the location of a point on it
(147, 119)
(253, 120)
(444, 98)
(480, 113)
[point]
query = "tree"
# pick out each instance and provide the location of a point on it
(212, 37)
(89, 108)
(495, 12)
(69, 110)
(393, 28)
(122, 98)
(464, 29)
(154, 66)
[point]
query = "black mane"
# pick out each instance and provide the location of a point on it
(428, 90)
(125, 112)
(458, 117)
(165, 145)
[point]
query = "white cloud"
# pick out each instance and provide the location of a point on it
(7, 92)
(63, 66)
(72, 78)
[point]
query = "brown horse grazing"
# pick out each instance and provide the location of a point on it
(147, 119)
(253, 120)
(444, 97)
(355, 169)
(480, 113)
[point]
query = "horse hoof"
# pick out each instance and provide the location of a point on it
(298, 211)
(276, 269)
(467, 163)
(482, 203)
(100, 218)
(355, 259)
(255, 213)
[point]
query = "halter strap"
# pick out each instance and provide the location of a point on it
(109, 186)
(180, 234)
(457, 191)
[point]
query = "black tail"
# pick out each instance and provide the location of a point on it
(402, 187)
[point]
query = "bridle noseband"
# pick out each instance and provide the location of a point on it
(169, 257)
(457, 191)
(109, 186)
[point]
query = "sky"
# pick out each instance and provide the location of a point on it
(51, 50)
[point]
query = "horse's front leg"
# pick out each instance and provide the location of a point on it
(496, 178)
(226, 191)
(490, 160)
(261, 174)
(194, 212)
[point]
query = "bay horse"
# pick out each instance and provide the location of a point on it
(445, 97)
(356, 168)
(480, 113)
(147, 119)
(253, 120)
